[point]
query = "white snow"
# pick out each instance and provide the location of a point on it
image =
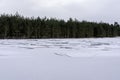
(60, 59)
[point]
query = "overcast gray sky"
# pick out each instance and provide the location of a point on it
(90, 10)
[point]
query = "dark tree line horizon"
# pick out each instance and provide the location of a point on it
(20, 27)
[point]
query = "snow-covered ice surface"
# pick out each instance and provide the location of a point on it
(60, 59)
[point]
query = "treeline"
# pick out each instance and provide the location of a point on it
(16, 26)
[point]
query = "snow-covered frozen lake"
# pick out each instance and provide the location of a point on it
(60, 59)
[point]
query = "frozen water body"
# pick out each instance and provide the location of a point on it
(60, 59)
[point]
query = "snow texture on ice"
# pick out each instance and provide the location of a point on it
(68, 47)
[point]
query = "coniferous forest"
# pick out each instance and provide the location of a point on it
(19, 27)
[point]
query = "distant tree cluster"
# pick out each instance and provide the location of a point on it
(19, 27)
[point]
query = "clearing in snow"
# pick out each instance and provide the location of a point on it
(60, 59)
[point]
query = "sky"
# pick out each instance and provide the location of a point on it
(90, 10)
